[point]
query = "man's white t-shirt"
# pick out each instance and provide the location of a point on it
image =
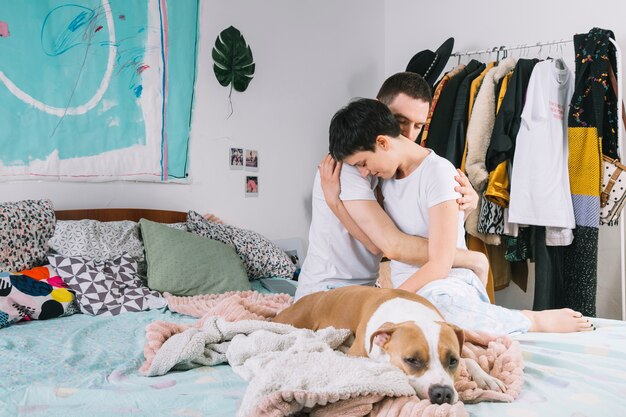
(540, 188)
(334, 258)
(408, 199)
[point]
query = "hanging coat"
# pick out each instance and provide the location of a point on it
(592, 130)
(478, 136)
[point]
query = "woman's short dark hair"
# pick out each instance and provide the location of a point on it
(409, 83)
(355, 127)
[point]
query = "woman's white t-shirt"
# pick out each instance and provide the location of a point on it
(407, 201)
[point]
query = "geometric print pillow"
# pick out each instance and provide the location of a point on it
(35, 294)
(108, 287)
(93, 239)
(261, 257)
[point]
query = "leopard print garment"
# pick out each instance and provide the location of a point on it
(25, 228)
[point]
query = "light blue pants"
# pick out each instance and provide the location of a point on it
(462, 300)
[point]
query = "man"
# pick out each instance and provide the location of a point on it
(349, 234)
(418, 190)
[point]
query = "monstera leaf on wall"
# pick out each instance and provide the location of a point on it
(232, 60)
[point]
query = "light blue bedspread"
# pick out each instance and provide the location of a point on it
(87, 366)
(570, 375)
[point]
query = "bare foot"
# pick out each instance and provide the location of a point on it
(564, 320)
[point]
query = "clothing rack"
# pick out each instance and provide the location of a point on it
(620, 129)
(505, 49)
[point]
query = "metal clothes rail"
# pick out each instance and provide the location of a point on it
(505, 49)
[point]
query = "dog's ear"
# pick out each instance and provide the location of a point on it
(382, 335)
(460, 335)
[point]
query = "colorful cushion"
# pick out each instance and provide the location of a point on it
(182, 263)
(261, 257)
(35, 294)
(25, 228)
(108, 287)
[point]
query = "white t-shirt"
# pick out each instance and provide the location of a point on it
(540, 189)
(408, 199)
(335, 258)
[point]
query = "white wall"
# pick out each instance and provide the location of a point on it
(311, 58)
(413, 26)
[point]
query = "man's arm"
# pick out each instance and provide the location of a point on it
(329, 176)
(442, 230)
(469, 198)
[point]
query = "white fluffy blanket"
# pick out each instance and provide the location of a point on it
(290, 370)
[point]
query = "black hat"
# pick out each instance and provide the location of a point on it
(429, 64)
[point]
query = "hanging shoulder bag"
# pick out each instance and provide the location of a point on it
(613, 195)
(613, 191)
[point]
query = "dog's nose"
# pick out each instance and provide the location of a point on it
(440, 394)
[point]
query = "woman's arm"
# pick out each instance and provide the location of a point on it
(442, 237)
(330, 171)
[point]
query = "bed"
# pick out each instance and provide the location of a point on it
(88, 366)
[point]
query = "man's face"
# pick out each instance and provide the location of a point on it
(373, 163)
(411, 113)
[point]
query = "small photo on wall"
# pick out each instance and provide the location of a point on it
(252, 160)
(236, 158)
(252, 186)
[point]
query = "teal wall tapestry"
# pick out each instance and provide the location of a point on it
(96, 90)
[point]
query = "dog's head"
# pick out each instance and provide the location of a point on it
(428, 353)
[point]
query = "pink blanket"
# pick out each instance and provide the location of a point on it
(232, 305)
(499, 356)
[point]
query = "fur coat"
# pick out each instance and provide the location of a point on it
(479, 133)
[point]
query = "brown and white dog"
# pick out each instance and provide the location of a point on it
(393, 326)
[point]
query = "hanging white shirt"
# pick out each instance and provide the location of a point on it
(334, 258)
(540, 189)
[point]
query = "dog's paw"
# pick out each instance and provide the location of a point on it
(482, 378)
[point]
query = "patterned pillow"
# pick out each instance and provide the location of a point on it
(107, 287)
(93, 239)
(35, 294)
(260, 256)
(25, 227)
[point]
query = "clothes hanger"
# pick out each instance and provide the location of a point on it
(550, 57)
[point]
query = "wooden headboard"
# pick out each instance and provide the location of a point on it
(117, 214)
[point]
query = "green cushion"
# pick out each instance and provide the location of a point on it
(183, 263)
